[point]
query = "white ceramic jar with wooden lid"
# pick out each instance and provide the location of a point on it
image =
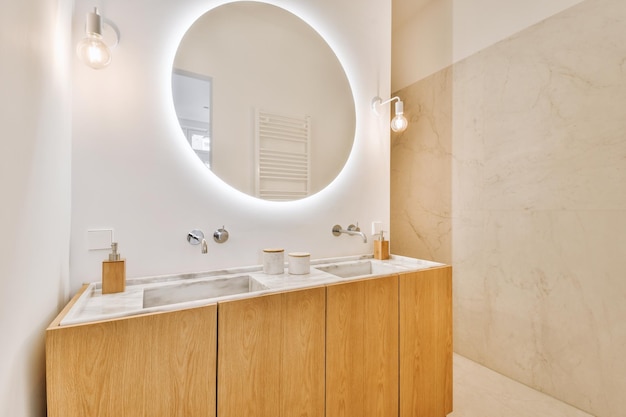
(273, 261)
(299, 263)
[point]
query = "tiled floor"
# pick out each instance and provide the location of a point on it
(480, 392)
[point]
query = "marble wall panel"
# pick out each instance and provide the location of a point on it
(421, 159)
(539, 297)
(537, 203)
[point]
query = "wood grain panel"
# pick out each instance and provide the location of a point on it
(345, 304)
(158, 364)
(426, 343)
(303, 354)
(271, 355)
(381, 347)
(362, 348)
(248, 357)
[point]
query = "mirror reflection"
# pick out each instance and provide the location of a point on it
(263, 101)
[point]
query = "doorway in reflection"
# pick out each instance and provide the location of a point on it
(192, 100)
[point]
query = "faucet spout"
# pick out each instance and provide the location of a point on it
(352, 231)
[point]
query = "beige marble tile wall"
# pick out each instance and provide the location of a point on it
(536, 187)
(421, 182)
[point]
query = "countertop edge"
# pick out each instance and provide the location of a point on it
(71, 315)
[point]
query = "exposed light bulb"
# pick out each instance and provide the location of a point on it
(399, 123)
(92, 50)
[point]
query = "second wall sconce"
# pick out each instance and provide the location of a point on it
(399, 123)
(93, 50)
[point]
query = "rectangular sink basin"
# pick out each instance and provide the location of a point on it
(358, 268)
(200, 290)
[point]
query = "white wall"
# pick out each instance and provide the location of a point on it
(132, 173)
(481, 23)
(35, 184)
(447, 31)
(422, 44)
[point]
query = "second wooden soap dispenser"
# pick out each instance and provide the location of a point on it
(381, 247)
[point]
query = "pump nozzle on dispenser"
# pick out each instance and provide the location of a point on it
(114, 256)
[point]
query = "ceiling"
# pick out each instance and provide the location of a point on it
(404, 9)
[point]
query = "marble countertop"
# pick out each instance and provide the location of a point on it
(93, 306)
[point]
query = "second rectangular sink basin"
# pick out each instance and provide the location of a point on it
(358, 268)
(200, 290)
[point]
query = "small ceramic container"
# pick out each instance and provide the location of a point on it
(299, 263)
(273, 261)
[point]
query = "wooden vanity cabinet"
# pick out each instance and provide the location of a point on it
(160, 364)
(271, 355)
(426, 343)
(389, 346)
(379, 347)
(362, 348)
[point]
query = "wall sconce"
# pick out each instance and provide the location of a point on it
(399, 122)
(93, 50)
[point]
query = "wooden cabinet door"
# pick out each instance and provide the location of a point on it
(152, 365)
(362, 348)
(426, 343)
(271, 355)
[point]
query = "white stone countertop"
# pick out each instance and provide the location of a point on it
(93, 306)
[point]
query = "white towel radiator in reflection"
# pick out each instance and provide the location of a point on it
(283, 156)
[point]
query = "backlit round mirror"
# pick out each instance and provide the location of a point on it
(263, 101)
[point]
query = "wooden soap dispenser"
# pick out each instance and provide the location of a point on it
(113, 272)
(381, 247)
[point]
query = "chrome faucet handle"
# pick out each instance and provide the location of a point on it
(220, 235)
(196, 237)
(354, 228)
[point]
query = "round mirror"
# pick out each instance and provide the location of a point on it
(263, 101)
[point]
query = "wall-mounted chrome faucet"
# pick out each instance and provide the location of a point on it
(196, 237)
(352, 231)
